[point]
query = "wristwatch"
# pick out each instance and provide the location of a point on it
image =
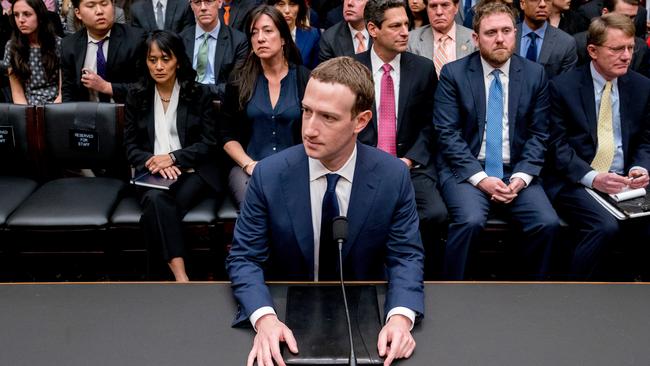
(171, 155)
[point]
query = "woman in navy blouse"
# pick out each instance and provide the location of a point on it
(261, 114)
(296, 13)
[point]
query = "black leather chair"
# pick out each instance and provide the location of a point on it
(80, 135)
(17, 157)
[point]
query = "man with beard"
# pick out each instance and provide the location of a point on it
(491, 114)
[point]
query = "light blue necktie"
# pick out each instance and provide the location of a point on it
(494, 129)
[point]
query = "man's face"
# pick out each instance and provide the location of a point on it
(353, 10)
(329, 130)
(206, 13)
(562, 5)
(624, 8)
(393, 36)
(613, 58)
(97, 15)
(441, 14)
(496, 38)
(536, 11)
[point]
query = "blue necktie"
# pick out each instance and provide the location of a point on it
(531, 53)
(494, 129)
(101, 60)
(328, 252)
(466, 8)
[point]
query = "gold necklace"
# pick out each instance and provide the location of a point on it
(165, 100)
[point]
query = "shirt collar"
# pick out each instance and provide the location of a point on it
(198, 31)
(377, 63)
(364, 32)
(163, 2)
(451, 33)
(91, 39)
(487, 68)
(540, 32)
(599, 80)
(317, 169)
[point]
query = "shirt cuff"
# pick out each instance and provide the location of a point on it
(257, 314)
(527, 178)
(477, 178)
(588, 179)
(638, 168)
(400, 310)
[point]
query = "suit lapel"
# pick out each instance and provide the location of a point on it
(624, 99)
(362, 196)
(547, 45)
(364, 58)
(518, 43)
(150, 14)
(170, 12)
(514, 92)
(589, 104)
(220, 51)
(181, 120)
(404, 88)
(475, 80)
(295, 189)
(345, 40)
(113, 47)
(80, 57)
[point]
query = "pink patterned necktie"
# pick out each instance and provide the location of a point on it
(386, 129)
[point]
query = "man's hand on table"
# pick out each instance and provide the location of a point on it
(266, 345)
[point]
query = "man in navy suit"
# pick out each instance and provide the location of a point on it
(280, 236)
(598, 144)
(491, 114)
(403, 125)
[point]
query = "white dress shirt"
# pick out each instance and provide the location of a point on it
(378, 73)
(317, 188)
(505, 134)
(166, 135)
(355, 41)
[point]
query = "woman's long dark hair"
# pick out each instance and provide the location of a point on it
(171, 44)
(46, 39)
(246, 74)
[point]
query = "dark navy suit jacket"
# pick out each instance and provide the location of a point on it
(575, 126)
(274, 237)
(307, 42)
(459, 117)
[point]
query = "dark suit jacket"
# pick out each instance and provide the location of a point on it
(307, 42)
(558, 53)
(124, 64)
(638, 63)
(459, 117)
(232, 48)
(239, 10)
(178, 15)
(418, 83)
(337, 41)
(574, 125)
(274, 238)
(235, 124)
(594, 9)
(195, 122)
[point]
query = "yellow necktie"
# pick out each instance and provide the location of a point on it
(605, 150)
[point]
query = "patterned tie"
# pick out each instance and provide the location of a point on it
(202, 58)
(494, 128)
(226, 14)
(531, 53)
(101, 60)
(386, 128)
(361, 38)
(440, 57)
(328, 252)
(605, 150)
(160, 17)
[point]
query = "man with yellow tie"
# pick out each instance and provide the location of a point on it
(601, 140)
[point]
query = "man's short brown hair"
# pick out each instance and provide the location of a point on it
(353, 74)
(597, 33)
(489, 8)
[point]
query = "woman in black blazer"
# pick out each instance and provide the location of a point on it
(170, 132)
(262, 112)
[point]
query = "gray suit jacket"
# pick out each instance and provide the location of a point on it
(421, 42)
(178, 15)
(558, 52)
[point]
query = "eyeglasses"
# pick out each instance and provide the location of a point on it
(198, 2)
(620, 49)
